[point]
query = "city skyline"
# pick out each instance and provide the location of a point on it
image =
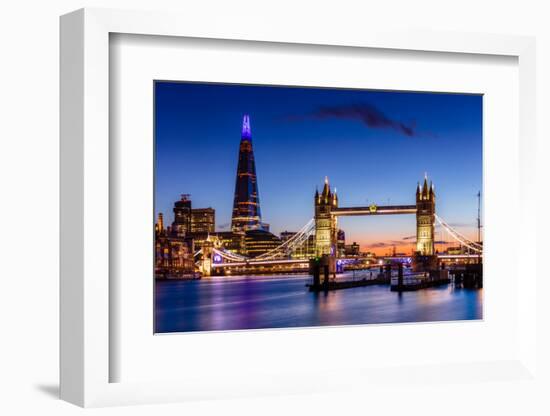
(374, 146)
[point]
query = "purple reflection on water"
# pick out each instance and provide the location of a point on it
(281, 302)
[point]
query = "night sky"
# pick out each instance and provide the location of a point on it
(374, 146)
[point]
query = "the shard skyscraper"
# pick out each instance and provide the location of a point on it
(246, 205)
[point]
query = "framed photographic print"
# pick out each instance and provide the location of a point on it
(278, 212)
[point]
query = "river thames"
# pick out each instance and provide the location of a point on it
(255, 302)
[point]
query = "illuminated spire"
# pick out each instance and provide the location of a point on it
(425, 186)
(326, 188)
(246, 133)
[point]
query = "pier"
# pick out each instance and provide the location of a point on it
(401, 282)
(347, 284)
(470, 276)
(421, 280)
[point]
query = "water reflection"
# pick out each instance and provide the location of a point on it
(277, 302)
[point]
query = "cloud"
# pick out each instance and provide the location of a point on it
(389, 243)
(378, 245)
(397, 243)
(366, 113)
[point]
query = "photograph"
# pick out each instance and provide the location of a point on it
(293, 207)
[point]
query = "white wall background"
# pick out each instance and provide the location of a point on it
(29, 198)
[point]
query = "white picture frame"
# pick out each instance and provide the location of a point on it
(85, 211)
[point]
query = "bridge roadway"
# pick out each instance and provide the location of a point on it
(251, 262)
(374, 210)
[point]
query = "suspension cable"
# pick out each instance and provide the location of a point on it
(305, 230)
(460, 238)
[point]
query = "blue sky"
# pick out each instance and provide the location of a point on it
(373, 145)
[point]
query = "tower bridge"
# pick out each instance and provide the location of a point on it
(323, 229)
(327, 212)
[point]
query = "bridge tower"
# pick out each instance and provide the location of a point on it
(207, 252)
(425, 218)
(325, 223)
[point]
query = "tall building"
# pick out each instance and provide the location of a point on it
(425, 218)
(189, 220)
(246, 205)
(181, 226)
(159, 226)
(203, 220)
